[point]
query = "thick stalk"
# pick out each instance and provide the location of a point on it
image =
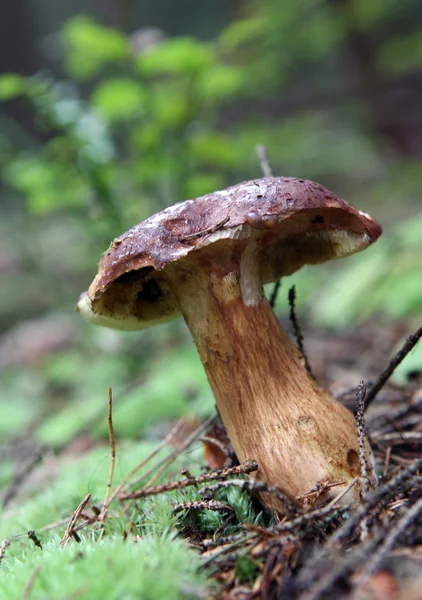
(274, 412)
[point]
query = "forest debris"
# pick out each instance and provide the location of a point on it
(201, 505)
(310, 554)
(112, 439)
(31, 581)
(360, 425)
(246, 467)
(32, 536)
(262, 154)
(218, 450)
(389, 541)
(70, 529)
(261, 151)
(3, 548)
(297, 330)
(409, 344)
(251, 485)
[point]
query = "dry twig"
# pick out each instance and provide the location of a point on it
(264, 162)
(174, 431)
(73, 520)
(296, 327)
(385, 375)
(274, 293)
(3, 548)
(360, 426)
(316, 492)
(318, 513)
(32, 536)
(201, 505)
(377, 498)
(31, 581)
(389, 540)
(322, 587)
(246, 467)
(156, 470)
(261, 151)
(253, 486)
(103, 514)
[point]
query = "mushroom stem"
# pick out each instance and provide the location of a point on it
(274, 412)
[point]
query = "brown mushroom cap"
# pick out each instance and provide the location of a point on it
(292, 222)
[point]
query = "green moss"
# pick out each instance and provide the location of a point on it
(150, 568)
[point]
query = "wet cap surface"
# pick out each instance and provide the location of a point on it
(293, 221)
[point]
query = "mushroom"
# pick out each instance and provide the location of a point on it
(208, 259)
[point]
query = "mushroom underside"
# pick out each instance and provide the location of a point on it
(142, 297)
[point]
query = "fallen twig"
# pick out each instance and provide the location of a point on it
(389, 540)
(31, 581)
(405, 437)
(247, 467)
(32, 536)
(261, 151)
(274, 293)
(360, 426)
(201, 505)
(156, 470)
(74, 518)
(208, 544)
(297, 329)
(321, 588)
(377, 497)
(320, 487)
(174, 431)
(385, 375)
(103, 514)
(215, 553)
(264, 162)
(253, 486)
(318, 513)
(3, 548)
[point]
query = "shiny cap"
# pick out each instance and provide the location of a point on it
(292, 222)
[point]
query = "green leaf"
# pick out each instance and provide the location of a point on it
(221, 81)
(90, 46)
(11, 86)
(177, 56)
(119, 99)
(48, 186)
(171, 106)
(241, 32)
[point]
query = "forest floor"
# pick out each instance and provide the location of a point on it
(372, 551)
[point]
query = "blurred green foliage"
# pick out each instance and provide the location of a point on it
(392, 273)
(134, 129)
